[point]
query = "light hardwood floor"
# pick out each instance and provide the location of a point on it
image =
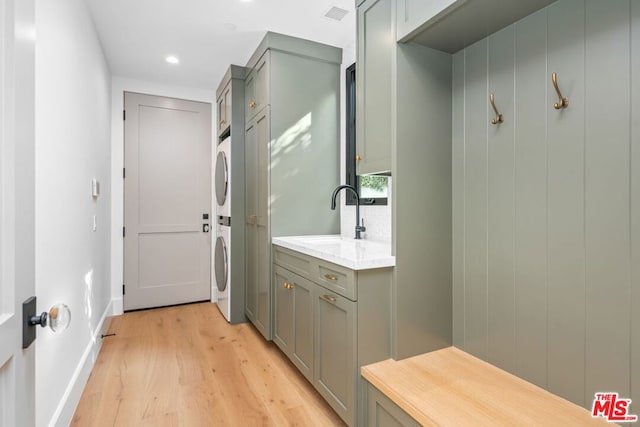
(186, 366)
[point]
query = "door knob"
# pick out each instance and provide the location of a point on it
(57, 318)
(205, 228)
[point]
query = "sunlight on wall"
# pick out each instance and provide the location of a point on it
(296, 137)
(88, 300)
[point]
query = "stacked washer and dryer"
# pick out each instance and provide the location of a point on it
(228, 251)
(222, 249)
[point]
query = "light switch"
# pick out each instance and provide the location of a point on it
(95, 188)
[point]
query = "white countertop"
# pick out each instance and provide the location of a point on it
(347, 252)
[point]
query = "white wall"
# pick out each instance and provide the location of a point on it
(72, 147)
(119, 86)
(377, 219)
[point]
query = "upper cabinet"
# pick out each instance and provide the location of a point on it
(256, 89)
(451, 25)
(373, 87)
(224, 109)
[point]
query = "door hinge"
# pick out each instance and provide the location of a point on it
(124, 114)
(123, 289)
(123, 231)
(124, 174)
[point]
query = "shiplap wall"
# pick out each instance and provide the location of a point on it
(546, 206)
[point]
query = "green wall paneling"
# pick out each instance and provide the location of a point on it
(531, 199)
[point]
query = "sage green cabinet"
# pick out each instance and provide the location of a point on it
(373, 86)
(404, 126)
(224, 109)
(293, 318)
(258, 257)
(336, 366)
(257, 87)
(331, 320)
(290, 125)
(382, 412)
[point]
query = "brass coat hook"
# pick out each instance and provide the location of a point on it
(563, 102)
(499, 118)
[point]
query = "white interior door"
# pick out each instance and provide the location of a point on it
(17, 203)
(167, 243)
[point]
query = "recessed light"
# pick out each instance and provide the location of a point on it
(172, 59)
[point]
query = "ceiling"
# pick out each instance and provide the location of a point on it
(206, 35)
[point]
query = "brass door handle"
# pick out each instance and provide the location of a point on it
(287, 285)
(329, 298)
(252, 104)
(331, 277)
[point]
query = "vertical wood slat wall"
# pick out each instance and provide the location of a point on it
(546, 206)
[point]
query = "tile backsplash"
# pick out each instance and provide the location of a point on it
(377, 220)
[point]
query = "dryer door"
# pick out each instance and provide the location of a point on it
(222, 178)
(222, 264)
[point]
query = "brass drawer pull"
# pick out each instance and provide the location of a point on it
(331, 277)
(287, 285)
(329, 298)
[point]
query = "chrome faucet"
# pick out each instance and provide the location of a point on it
(359, 228)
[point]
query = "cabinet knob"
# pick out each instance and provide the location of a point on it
(287, 285)
(331, 277)
(222, 121)
(252, 104)
(358, 158)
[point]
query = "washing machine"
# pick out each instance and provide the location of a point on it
(222, 178)
(222, 247)
(222, 270)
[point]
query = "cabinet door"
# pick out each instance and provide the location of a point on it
(250, 109)
(335, 352)
(414, 13)
(251, 221)
(263, 239)
(256, 88)
(283, 310)
(381, 411)
(373, 86)
(262, 82)
(302, 351)
(224, 109)
(293, 318)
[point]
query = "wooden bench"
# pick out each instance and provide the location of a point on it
(449, 387)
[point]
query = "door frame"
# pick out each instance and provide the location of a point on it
(119, 86)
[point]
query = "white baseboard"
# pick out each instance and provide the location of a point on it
(67, 406)
(118, 306)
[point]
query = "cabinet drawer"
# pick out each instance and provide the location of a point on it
(337, 278)
(294, 261)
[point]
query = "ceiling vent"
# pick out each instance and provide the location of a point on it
(336, 13)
